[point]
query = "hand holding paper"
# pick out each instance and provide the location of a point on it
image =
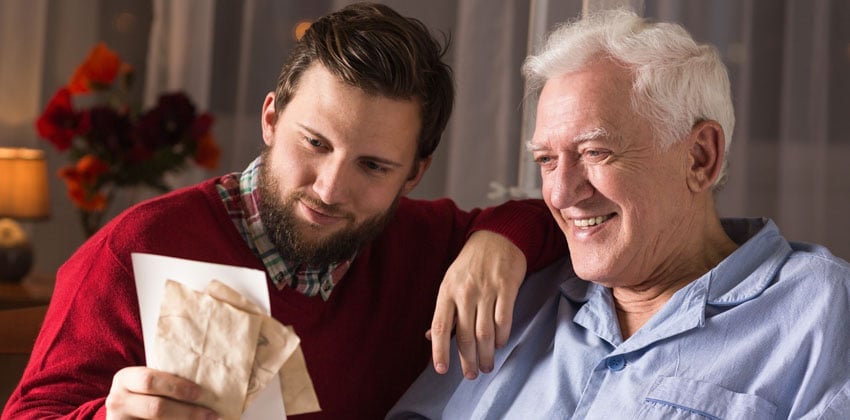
(209, 342)
(221, 339)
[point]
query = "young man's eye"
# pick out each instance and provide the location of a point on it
(315, 142)
(374, 166)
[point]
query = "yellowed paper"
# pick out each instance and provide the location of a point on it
(227, 294)
(275, 343)
(299, 397)
(210, 342)
(151, 273)
(228, 345)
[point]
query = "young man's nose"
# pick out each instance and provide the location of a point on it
(331, 183)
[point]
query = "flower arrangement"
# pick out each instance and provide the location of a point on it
(112, 142)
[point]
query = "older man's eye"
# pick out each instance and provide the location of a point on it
(595, 155)
(543, 160)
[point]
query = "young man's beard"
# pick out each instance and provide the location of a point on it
(291, 236)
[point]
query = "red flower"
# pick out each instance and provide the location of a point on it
(99, 69)
(59, 123)
(121, 144)
(107, 130)
(202, 125)
(166, 124)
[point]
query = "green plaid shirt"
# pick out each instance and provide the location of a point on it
(240, 195)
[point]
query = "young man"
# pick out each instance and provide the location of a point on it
(352, 265)
(667, 311)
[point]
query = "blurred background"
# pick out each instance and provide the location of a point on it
(789, 62)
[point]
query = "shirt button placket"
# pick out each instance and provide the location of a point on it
(616, 363)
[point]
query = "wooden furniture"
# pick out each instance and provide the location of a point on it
(18, 329)
(34, 290)
(22, 309)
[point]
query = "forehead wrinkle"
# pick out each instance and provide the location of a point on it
(582, 137)
(542, 139)
(591, 134)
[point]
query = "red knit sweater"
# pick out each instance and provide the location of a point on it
(363, 347)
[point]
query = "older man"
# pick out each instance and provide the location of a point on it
(666, 311)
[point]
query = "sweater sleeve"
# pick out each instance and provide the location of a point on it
(529, 225)
(83, 341)
(92, 327)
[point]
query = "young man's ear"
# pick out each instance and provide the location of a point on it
(416, 175)
(708, 150)
(268, 118)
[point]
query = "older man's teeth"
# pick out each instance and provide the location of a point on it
(593, 221)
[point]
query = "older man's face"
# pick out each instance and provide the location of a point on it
(621, 201)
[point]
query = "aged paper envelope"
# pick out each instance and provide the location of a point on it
(275, 344)
(210, 342)
(299, 396)
(240, 290)
(151, 273)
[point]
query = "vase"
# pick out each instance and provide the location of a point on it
(91, 221)
(125, 197)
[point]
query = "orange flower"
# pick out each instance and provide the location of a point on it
(207, 153)
(86, 200)
(99, 69)
(81, 180)
(89, 167)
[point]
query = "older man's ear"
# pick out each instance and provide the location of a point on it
(708, 151)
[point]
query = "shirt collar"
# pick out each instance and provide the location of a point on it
(741, 276)
(748, 271)
(240, 195)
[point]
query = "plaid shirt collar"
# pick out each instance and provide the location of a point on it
(240, 196)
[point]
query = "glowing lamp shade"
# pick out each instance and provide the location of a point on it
(23, 196)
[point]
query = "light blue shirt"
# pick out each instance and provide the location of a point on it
(763, 335)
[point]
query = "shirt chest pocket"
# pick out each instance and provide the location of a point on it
(681, 398)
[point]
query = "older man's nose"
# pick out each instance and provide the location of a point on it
(568, 185)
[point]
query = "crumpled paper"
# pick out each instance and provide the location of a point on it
(226, 344)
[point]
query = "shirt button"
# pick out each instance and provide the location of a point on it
(616, 363)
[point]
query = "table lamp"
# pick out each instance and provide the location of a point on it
(23, 196)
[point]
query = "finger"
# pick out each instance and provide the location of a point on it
(440, 333)
(142, 380)
(139, 392)
(141, 406)
(465, 338)
(485, 336)
(504, 316)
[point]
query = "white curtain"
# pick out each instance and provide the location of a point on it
(790, 67)
(789, 62)
(34, 61)
(180, 58)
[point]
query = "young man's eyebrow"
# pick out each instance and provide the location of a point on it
(378, 159)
